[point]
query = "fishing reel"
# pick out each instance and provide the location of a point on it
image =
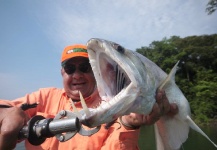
(64, 126)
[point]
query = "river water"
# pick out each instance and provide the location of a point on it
(195, 141)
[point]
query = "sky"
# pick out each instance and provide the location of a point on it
(33, 33)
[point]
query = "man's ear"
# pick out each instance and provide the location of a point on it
(62, 71)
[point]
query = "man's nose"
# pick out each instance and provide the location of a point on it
(77, 74)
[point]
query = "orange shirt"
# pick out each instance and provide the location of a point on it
(53, 100)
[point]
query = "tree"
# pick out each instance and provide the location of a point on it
(197, 76)
(211, 6)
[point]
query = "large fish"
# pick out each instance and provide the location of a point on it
(127, 82)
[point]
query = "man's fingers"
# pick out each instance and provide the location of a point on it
(166, 104)
(159, 96)
(173, 109)
(11, 140)
(162, 102)
(154, 115)
(11, 122)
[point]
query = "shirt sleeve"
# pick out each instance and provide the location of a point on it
(38, 97)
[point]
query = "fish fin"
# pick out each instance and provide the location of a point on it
(170, 77)
(196, 128)
(172, 132)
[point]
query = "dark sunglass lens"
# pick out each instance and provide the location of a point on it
(85, 68)
(69, 69)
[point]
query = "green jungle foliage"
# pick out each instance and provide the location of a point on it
(197, 74)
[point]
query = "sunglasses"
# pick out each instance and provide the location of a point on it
(84, 68)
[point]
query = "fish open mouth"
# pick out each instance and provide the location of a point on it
(112, 82)
(113, 77)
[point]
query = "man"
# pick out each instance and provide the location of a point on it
(77, 76)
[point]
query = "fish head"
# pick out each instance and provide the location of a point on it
(120, 82)
(111, 67)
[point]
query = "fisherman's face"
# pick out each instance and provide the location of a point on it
(78, 76)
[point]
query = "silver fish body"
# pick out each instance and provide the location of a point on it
(127, 82)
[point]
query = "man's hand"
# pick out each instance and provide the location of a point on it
(11, 121)
(160, 108)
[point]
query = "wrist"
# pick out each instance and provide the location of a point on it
(127, 125)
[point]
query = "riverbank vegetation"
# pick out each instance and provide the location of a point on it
(197, 74)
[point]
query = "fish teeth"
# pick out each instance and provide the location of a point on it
(86, 110)
(97, 105)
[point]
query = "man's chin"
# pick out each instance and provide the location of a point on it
(74, 95)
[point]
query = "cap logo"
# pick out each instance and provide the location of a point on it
(76, 50)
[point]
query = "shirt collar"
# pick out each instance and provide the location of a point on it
(87, 99)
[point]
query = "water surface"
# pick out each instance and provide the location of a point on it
(195, 141)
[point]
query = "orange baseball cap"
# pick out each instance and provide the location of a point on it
(77, 50)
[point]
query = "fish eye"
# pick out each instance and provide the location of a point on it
(119, 48)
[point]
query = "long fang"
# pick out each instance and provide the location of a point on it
(86, 110)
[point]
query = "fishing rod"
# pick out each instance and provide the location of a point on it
(63, 126)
